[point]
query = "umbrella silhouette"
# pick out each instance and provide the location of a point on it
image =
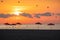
(18, 23)
(38, 23)
(6, 23)
(13, 24)
(51, 24)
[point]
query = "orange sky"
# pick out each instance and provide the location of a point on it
(30, 6)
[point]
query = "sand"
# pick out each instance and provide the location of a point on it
(32, 26)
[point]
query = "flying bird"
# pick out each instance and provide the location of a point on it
(1, 1)
(47, 6)
(18, 1)
(36, 5)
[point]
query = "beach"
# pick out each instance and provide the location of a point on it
(32, 26)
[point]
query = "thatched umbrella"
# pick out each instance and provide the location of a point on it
(51, 24)
(6, 23)
(38, 23)
(18, 23)
(13, 24)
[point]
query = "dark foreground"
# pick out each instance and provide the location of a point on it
(29, 35)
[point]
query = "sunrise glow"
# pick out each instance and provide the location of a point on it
(17, 7)
(16, 10)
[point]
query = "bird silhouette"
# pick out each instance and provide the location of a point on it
(47, 6)
(36, 5)
(1, 1)
(18, 1)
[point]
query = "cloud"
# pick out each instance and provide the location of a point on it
(47, 14)
(27, 15)
(5, 15)
(44, 14)
(58, 14)
(37, 15)
(9, 15)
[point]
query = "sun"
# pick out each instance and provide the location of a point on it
(17, 10)
(17, 13)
